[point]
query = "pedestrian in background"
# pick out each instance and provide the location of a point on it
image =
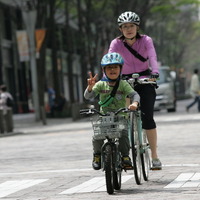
(51, 98)
(6, 114)
(194, 90)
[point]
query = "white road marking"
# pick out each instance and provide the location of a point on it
(96, 184)
(46, 171)
(185, 180)
(182, 165)
(10, 187)
(85, 169)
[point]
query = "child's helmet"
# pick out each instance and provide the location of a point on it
(128, 17)
(112, 58)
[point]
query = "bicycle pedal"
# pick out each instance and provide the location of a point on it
(155, 169)
(128, 167)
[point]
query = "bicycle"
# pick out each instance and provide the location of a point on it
(139, 144)
(109, 127)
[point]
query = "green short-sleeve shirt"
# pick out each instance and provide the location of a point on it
(103, 89)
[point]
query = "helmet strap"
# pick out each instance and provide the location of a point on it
(130, 38)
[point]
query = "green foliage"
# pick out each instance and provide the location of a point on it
(173, 25)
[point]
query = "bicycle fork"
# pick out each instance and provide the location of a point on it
(110, 147)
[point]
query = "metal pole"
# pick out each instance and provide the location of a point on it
(29, 17)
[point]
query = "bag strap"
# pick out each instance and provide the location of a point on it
(135, 53)
(111, 96)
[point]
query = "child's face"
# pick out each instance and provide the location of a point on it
(112, 71)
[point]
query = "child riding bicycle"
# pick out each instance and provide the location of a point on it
(112, 92)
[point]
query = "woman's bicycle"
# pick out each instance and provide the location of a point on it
(109, 127)
(139, 148)
(138, 139)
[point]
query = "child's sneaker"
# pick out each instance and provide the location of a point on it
(96, 164)
(127, 162)
(156, 164)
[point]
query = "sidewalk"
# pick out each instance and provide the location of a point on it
(26, 124)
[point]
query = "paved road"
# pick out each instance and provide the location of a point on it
(54, 162)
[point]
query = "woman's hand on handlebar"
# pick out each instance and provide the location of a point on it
(154, 77)
(133, 106)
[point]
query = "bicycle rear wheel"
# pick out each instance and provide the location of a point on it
(145, 159)
(135, 148)
(109, 169)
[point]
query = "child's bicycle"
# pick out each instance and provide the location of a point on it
(109, 127)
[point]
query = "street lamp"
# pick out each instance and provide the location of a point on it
(29, 14)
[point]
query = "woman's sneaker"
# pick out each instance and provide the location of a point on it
(156, 164)
(96, 163)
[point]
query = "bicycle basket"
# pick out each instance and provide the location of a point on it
(109, 127)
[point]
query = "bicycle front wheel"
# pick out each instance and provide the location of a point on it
(145, 159)
(109, 169)
(117, 172)
(135, 148)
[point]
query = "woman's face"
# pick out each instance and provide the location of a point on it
(129, 30)
(112, 71)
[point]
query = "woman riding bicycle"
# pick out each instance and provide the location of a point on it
(111, 66)
(144, 62)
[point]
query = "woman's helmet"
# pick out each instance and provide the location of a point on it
(112, 58)
(128, 17)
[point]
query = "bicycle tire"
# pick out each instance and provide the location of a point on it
(144, 148)
(109, 169)
(135, 149)
(145, 159)
(117, 172)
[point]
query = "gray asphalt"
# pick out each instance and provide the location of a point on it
(59, 154)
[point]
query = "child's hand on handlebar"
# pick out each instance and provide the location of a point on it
(91, 81)
(133, 106)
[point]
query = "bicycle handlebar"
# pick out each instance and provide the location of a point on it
(93, 111)
(135, 78)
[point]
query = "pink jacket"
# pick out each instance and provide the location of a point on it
(144, 46)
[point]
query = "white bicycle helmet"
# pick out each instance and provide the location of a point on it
(128, 17)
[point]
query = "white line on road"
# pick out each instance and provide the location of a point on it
(85, 169)
(10, 187)
(96, 184)
(185, 180)
(46, 171)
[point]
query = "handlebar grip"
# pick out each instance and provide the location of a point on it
(154, 75)
(83, 111)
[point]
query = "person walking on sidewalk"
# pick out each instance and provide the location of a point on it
(6, 115)
(139, 57)
(194, 90)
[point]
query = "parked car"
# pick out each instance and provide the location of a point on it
(166, 92)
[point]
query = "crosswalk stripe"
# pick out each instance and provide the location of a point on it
(185, 180)
(10, 187)
(96, 184)
(194, 181)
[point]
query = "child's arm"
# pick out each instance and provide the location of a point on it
(89, 94)
(91, 82)
(135, 99)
